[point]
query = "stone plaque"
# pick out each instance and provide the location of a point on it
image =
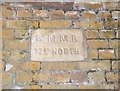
(57, 45)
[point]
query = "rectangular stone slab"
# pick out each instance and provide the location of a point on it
(57, 45)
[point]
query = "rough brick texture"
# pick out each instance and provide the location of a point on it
(99, 22)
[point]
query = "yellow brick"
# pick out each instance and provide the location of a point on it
(96, 77)
(23, 24)
(32, 66)
(21, 33)
(88, 15)
(15, 65)
(114, 43)
(6, 78)
(60, 77)
(59, 65)
(111, 24)
(23, 66)
(95, 65)
(115, 65)
(33, 87)
(115, 24)
(115, 14)
(35, 24)
(24, 13)
(117, 86)
(7, 34)
(72, 15)
(112, 77)
(42, 77)
(110, 5)
(16, 55)
(16, 44)
(82, 24)
(60, 86)
(3, 23)
(93, 6)
(23, 77)
(55, 23)
(106, 54)
(6, 54)
(56, 14)
(107, 34)
(93, 44)
(117, 52)
(6, 12)
(92, 54)
(96, 25)
(104, 15)
(78, 76)
(97, 86)
(91, 34)
(40, 13)
(89, 24)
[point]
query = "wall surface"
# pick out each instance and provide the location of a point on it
(100, 26)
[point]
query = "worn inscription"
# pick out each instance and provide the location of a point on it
(57, 45)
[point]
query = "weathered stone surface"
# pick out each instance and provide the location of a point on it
(79, 76)
(86, 24)
(57, 45)
(60, 86)
(107, 54)
(60, 77)
(107, 34)
(16, 44)
(48, 5)
(55, 23)
(40, 13)
(87, 6)
(115, 14)
(6, 12)
(104, 15)
(115, 65)
(111, 5)
(56, 14)
(114, 43)
(97, 86)
(112, 76)
(42, 77)
(88, 15)
(95, 20)
(59, 65)
(92, 54)
(72, 15)
(33, 87)
(91, 34)
(24, 13)
(95, 65)
(96, 77)
(97, 44)
(23, 77)
(7, 79)
(53, 5)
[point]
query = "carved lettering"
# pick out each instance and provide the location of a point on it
(38, 38)
(74, 38)
(65, 51)
(57, 45)
(51, 38)
(63, 38)
(41, 51)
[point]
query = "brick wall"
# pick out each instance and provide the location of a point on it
(100, 25)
